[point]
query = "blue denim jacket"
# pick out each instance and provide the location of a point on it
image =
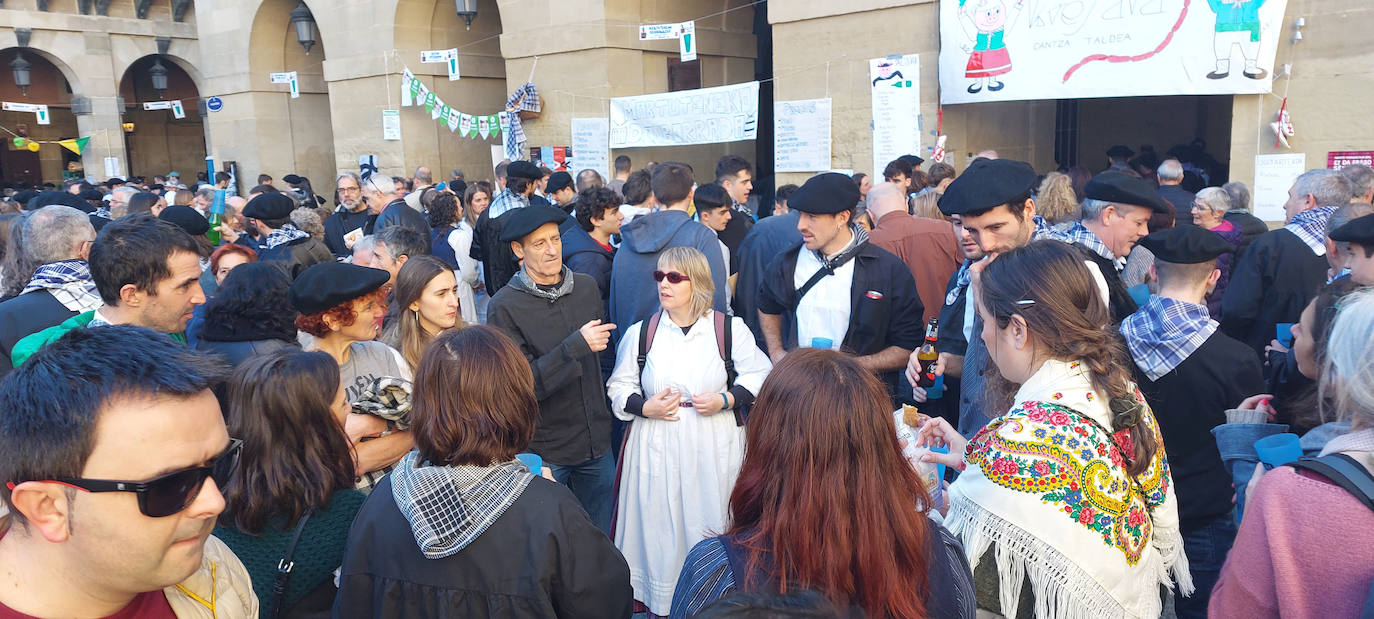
(1236, 442)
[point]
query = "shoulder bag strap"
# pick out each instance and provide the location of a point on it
(284, 567)
(826, 269)
(1343, 471)
(724, 335)
(646, 338)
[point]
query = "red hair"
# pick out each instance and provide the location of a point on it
(343, 313)
(231, 248)
(824, 495)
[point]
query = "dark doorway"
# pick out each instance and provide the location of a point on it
(20, 166)
(1196, 127)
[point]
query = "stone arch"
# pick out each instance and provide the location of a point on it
(68, 73)
(159, 142)
(52, 83)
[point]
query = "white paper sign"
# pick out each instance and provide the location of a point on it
(42, 113)
(453, 68)
(112, 167)
(295, 86)
(391, 124)
(659, 32)
(1007, 50)
(801, 135)
(498, 154)
(438, 55)
(701, 116)
(687, 43)
(281, 78)
(896, 87)
(157, 105)
(591, 139)
(1274, 176)
(178, 111)
(10, 106)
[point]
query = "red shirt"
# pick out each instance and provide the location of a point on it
(150, 605)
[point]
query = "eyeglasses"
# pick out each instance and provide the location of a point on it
(168, 494)
(673, 277)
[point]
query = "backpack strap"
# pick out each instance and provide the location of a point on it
(646, 338)
(1343, 471)
(284, 567)
(724, 335)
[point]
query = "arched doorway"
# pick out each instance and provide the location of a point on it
(157, 141)
(48, 85)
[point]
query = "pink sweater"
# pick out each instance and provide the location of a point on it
(1305, 549)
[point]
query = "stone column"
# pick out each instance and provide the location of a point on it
(102, 119)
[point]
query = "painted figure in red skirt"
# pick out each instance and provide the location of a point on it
(989, 57)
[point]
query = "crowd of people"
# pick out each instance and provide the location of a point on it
(548, 394)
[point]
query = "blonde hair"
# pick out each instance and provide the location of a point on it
(1056, 200)
(691, 262)
(927, 204)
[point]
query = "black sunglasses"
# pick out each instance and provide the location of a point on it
(673, 277)
(168, 494)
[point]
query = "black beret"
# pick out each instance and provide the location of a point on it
(65, 198)
(913, 160)
(1121, 188)
(825, 194)
(92, 195)
(331, 284)
(557, 181)
(1359, 230)
(24, 196)
(115, 181)
(987, 183)
(1186, 245)
(291, 179)
(524, 169)
(1120, 151)
(185, 218)
(522, 221)
(269, 206)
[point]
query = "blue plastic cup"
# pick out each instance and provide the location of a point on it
(936, 390)
(1278, 449)
(1283, 332)
(531, 461)
(822, 342)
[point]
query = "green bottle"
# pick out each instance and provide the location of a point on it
(216, 218)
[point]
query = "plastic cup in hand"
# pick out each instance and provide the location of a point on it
(531, 461)
(936, 390)
(1283, 332)
(822, 342)
(1278, 449)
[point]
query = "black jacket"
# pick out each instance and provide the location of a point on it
(884, 307)
(1119, 300)
(339, 224)
(498, 260)
(583, 254)
(768, 239)
(1188, 402)
(733, 235)
(1272, 282)
(541, 558)
(298, 255)
(1250, 228)
(574, 421)
(24, 315)
(398, 213)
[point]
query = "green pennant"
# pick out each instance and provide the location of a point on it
(429, 102)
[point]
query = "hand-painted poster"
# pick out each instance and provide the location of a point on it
(1008, 50)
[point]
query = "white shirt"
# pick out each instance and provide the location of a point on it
(824, 311)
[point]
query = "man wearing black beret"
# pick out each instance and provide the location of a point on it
(838, 290)
(284, 243)
(1190, 373)
(555, 317)
(498, 262)
(1116, 213)
(561, 190)
(990, 206)
(1359, 233)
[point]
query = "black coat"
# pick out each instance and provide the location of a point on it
(574, 421)
(542, 558)
(584, 254)
(1250, 228)
(1119, 300)
(885, 309)
(398, 213)
(24, 315)
(1272, 282)
(339, 224)
(733, 235)
(1188, 402)
(298, 255)
(499, 263)
(766, 241)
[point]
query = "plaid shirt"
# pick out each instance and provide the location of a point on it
(505, 201)
(1078, 234)
(524, 99)
(1164, 332)
(1310, 227)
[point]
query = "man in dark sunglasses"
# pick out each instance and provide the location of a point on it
(113, 451)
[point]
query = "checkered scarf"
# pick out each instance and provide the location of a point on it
(1078, 234)
(450, 506)
(1043, 230)
(1164, 332)
(1310, 227)
(388, 398)
(283, 235)
(524, 99)
(68, 281)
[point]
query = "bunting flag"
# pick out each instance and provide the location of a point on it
(464, 124)
(75, 145)
(452, 119)
(484, 126)
(407, 89)
(415, 93)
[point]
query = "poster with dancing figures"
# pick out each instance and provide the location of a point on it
(1011, 50)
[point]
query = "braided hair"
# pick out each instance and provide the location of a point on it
(1048, 285)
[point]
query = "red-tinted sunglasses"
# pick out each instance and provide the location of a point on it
(673, 277)
(168, 494)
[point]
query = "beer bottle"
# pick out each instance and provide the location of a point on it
(927, 356)
(216, 217)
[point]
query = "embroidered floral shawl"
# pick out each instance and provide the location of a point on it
(1047, 485)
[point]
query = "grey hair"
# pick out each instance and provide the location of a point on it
(1327, 187)
(123, 193)
(1170, 170)
(1347, 376)
(206, 193)
(382, 184)
(351, 175)
(423, 175)
(1361, 178)
(1092, 208)
(55, 233)
(1344, 215)
(365, 244)
(1216, 199)
(308, 220)
(1240, 196)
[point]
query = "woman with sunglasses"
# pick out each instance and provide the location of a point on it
(294, 484)
(685, 442)
(462, 528)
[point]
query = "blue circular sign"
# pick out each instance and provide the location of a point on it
(215, 104)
